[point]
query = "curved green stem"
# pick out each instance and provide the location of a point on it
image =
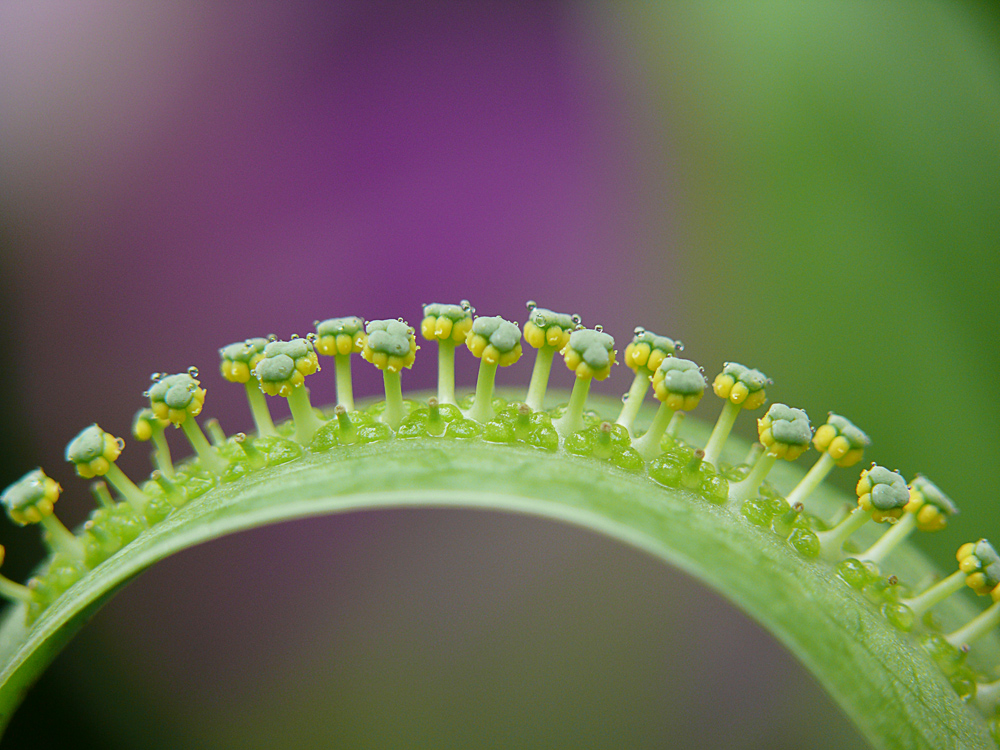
(446, 372)
(886, 684)
(258, 409)
(306, 421)
(482, 406)
(345, 388)
(813, 479)
(724, 425)
(539, 382)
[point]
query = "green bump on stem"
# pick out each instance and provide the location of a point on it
(207, 455)
(935, 594)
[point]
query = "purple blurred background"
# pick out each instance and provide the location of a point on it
(176, 176)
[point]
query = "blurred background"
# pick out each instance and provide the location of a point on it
(811, 189)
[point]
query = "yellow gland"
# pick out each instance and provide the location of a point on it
(828, 440)
(142, 425)
(443, 328)
(643, 355)
(342, 343)
(864, 493)
(555, 336)
(481, 347)
(727, 387)
(574, 361)
(674, 401)
(98, 467)
(43, 506)
(303, 366)
(177, 416)
(776, 447)
(238, 372)
(976, 579)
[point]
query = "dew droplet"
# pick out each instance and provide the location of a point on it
(156, 376)
(145, 394)
(400, 320)
(599, 328)
(577, 320)
(465, 304)
(294, 336)
(315, 323)
(311, 337)
(121, 443)
(247, 342)
(624, 397)
(193, 371)
(531, 305)
(679, 346)
(272, 337)
(239, 437)
(638, 331)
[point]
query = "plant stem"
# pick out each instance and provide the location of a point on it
(345, 389)
(977, 627)
(747, 488)
(936, 593)
(832, 542)
(648, 445)
(675, 423)
(890, 539)
(720, 432)
(208, 456)
(813, 479)
(128, 489)
(539, 378)
(393, 413)
(306, 421)
(61, 539)
(633, 400)
(258, 409)
(161, 453)
(572, 418)
(446, 372)
(482, 407)
(15, 591)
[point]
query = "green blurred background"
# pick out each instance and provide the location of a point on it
(811, 189)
